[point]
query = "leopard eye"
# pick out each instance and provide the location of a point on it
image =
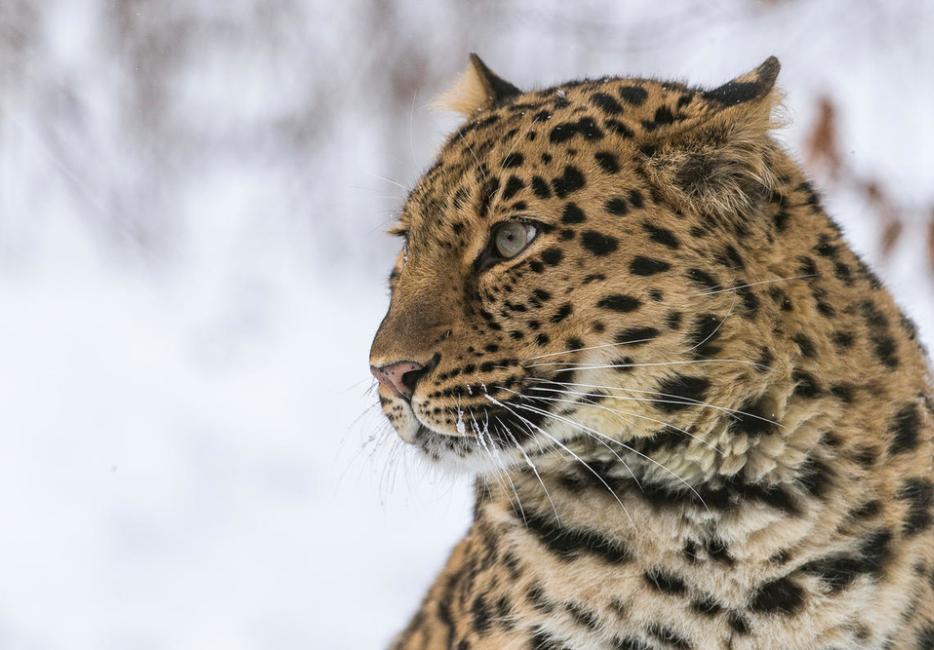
(511, 238)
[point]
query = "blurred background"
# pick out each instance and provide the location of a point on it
(192, 262)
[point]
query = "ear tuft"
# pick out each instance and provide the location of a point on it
(751, 86)
(478, 88)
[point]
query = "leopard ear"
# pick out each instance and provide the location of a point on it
(478, 88)
(718, 158)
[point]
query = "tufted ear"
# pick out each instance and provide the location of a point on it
(718, 158)
(478, 88)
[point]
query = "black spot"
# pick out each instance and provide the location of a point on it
(513, 186)
(738, 623)
(717, 550)
(663, 115)
(905, 426)
(487, 192)
(708, 607)
(807, 266)
(839, 571)
(843, 392)
(842, 340)
(539, 600)
(606, 103)
(661, 235)
(754, 417)
(781, 299)
(781, 596)
(619, 302)
(633, 94)
(569, 543)
(585, 126)
(645, 266)
(598, 243)
(668, 636)
(542, 339)
(764, 362)
(815, 477)
(513, 160)
(703, 279)
(750, 300)
(665, 582)
(731, 258)
(680, 392)
(806, 385)
(885, 348)
(866, 456)
(805, 344)
(919, 493)
(540, 187)
(572, 214)
(616, 205)
(563, 312)
(637, 336)
(570, 181)
(607, 161)
(867, 510)
(481, 615)
(635, 198)
(619, 128)
(668, 438)
(623, 364)
(673, 320)
(552, 256)
(544, 641)
(703, 336)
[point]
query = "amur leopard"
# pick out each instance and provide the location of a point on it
(696, 418)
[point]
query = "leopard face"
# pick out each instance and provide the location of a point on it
(576, 269)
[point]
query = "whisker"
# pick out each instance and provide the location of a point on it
(753, 284)
(565, 447)
(627, 413)
(717, 328)
(676, 399)
(610, 449)
(649, 364)
(584, 427)
(531, 464)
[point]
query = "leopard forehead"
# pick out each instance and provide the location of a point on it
(528, 153)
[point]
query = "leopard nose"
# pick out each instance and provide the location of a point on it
(400, 377)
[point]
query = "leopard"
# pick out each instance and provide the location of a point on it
(693, 416)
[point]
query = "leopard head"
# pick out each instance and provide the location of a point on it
(569, 268)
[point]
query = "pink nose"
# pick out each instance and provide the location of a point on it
(400, 377)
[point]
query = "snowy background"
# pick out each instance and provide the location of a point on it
(192, 264)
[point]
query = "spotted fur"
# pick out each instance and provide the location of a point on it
(697, 418)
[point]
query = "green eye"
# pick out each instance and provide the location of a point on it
(512, 237)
